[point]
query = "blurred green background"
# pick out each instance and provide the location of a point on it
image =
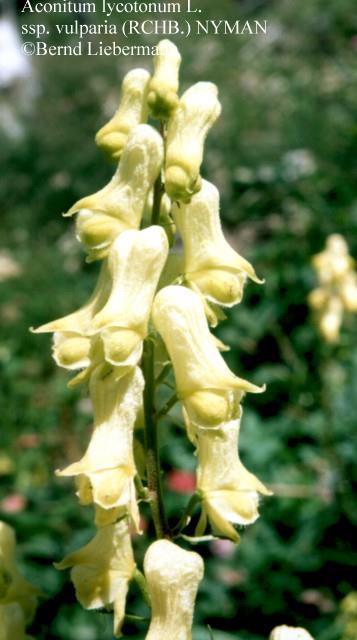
(283, 155)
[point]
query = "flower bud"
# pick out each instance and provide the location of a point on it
(211, 264)
(289, 633)
(118, 206)
(173, 576)
(179, 317)
(163, 86)
(108, 464)
(102, 570)
(197, 111)
(132, 111)
(229, 491)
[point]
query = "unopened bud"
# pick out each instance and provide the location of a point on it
(132, 111)
(163, 86)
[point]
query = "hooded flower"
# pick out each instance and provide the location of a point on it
(132, 111)
(163, 86)
(211, 265)
(197, 111)
(135, 263)
(337, 290)
(208, 389)
(72, 345)
(113, 323)
(229, 492)
(118, 206)
(173, 576)
(18, 598)
(289, 633)
(108, 464)
(102, 570)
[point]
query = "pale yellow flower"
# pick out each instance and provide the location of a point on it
(118, 206)
(337, 290)
(211, 264)
(197, 111)
(72, 344)
(289, 633)
(173, 576)
(135, 263)
(108, 464)
(114, 322)
(102, 570)
(334, 261)
(208, 389)
(14, 589)
(229, 492)
(163, 86)
(132, 110)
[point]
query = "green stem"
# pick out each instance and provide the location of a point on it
(151, 443)
(183, 522)
(158, 189)
(141, 582)
(167, 406)
(158, 193)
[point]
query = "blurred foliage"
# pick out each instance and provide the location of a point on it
(283, 156)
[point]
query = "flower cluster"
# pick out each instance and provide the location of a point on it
(149, 299)
(18, 598)
(337, 290)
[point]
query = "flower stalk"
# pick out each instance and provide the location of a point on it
(149, 315)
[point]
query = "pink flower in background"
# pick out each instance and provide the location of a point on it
(14, 503)
(181, 481)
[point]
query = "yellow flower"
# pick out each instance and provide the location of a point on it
(228, 490)
(14, 589)
(102, 570)
(114, 322)
(173, 576)
(163, 86)
(208, 389)
(211, 264)
(118, 206)
(334, 262)
(72, 344)
(132, 111)
(197, 111)
(135, 263)
(108, 464)
(337, 290)
(289, 633)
